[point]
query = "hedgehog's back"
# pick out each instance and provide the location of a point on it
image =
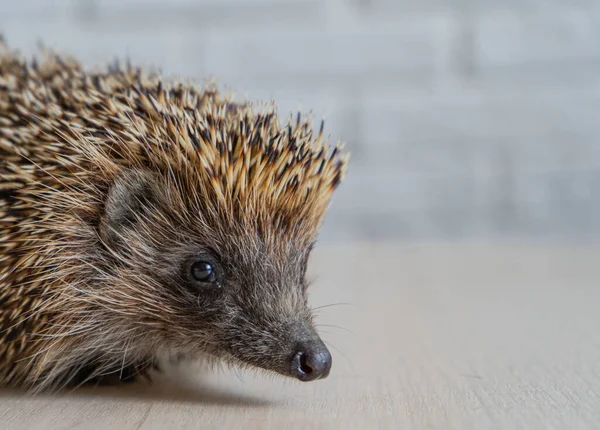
(44, 100)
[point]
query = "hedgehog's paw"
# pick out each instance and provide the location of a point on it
(91, 376)
(127, 375)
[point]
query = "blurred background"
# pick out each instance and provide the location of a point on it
(467, 119)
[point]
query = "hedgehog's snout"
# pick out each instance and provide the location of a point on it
(311, 362)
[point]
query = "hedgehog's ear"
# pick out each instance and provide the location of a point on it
(132, 193)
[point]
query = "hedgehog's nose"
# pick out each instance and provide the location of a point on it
(311, 363)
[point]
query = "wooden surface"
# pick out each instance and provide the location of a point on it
(437, 337)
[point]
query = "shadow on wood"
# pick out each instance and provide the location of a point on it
(167, 392)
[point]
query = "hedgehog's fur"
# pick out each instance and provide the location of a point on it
(109, 181)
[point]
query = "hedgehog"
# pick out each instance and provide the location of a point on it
(143, 217)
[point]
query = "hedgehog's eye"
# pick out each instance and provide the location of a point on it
(203, 272)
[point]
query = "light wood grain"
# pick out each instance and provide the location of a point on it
(436, 336)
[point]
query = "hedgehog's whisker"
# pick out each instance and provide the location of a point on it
(328, 343)
(333, 304)
(336, 326)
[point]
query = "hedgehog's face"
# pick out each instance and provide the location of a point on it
(204, 288)
(254, 302)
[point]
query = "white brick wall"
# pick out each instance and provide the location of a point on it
(466, 117)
